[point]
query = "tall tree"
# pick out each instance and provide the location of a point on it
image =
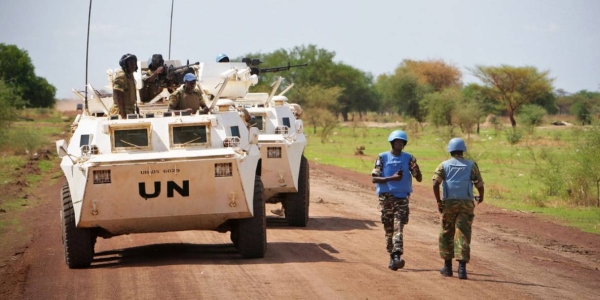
(17, 71)
(513, 86)
(434, 72)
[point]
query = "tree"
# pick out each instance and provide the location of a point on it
(9, 102)
(440, 107)
(436, 73)
(513, 86)
(401, 93)
(581, 103)
(358, 93)
(17, 71)
(320, 105)
(476, 93)
(581, 109)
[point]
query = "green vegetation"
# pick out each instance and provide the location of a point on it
(35, 133)
(520, 176)
(17, 71)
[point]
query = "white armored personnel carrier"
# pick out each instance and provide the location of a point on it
(285, 170)
(164, 171)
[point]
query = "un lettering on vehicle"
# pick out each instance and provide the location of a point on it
(150, 190)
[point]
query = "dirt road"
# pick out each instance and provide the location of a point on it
(339, 255)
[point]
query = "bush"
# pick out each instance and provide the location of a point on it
(513, 136)
(531, 115)
(582, 112)
(578, 180)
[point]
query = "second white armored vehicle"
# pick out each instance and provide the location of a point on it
(285, 170)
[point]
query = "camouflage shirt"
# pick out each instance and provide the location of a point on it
(153, 88)
(180, 99)
(125, 83)
(475, 174)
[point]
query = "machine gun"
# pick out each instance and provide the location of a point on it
(174, 75)
(254, 63)
(284, 68)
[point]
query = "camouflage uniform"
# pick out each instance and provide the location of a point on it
(457, 219)
(394, 215)
(180, 99)
(125, 83)
(394, 211)
(153, 88)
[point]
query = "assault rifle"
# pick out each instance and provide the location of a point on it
(254, 63)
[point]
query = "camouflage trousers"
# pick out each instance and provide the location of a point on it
(455, 235)
(394, 215)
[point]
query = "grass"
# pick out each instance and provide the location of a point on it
(19, 143)
(8, 165)
(509, 171)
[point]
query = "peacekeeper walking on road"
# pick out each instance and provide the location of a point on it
(393, 174)
(457, 176)
(188, 96)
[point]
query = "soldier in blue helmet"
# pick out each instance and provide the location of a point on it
(188, 96)
(222, 58)
(457, 176)
(393, 173)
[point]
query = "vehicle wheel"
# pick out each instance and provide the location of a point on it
(78, 242)
(252, 232)
(234, 235)
(296, 204)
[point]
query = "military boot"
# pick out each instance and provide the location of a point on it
(462, 270)
(447, 269)
(396, 262)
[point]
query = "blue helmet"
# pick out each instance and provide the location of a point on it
(222, 58)
(398, 135)
(189, 77)
(457, 144)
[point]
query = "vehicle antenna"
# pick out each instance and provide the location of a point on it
(171, 29)
(86, 56)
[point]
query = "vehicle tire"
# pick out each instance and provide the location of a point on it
(296, 204)
(235, 235)
(252, 232)
(78, 242)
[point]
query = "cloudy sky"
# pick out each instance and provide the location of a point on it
(561, 36)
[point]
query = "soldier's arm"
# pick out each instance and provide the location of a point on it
(174, 100)
(203, 106)
(155, 74)
(438, 178)
(477, 181)
(378, 171)
(119, 92)
(414, 169)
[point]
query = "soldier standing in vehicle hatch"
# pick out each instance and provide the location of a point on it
(393, 174)
(153, 78)
(124, 90)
